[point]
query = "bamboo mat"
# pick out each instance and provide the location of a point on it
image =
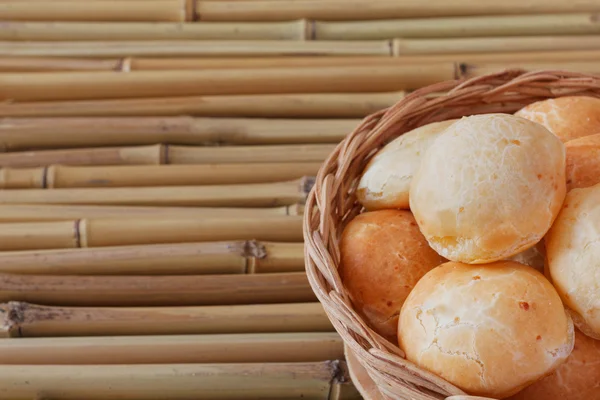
(154, 161)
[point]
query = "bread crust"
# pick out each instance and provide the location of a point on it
(583, 162)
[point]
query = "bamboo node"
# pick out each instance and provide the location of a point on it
(255, 249)
(124, 64)
(81, 240)
(163, 157)
(12, 315)
(309, 29)
(306, 185)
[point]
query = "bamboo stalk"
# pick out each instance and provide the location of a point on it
(46, 212)
(106, 10)
(244, 195)
(163, 154)
(156, 290)
(264, 10)
(193, 48)
(495, 44)
(160, 175)
(27, 133)
(36, 64)
(174, 349)
(169, 259)
(97, 85)
(321, 105)
(477, 26)
(248, 154)
(121, 232)
(28, 320)
(191, 381)
(124, 31)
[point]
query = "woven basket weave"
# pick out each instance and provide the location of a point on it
(332, 204)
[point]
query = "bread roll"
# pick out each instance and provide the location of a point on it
(386, 179)
(583, 162)
(577, 379)
(573, 253)
(489, 187)
(383, 255)
(568, 117)
(490, 330)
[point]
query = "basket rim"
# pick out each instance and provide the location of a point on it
(331, 203)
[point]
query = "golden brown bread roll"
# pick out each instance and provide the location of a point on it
(491, 330)
(568, 117)
(386, 179)
(577, 379)
(573, 254)
(489, 187)
(383, 255)
(583, 162)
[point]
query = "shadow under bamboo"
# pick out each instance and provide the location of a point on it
(19, 319)
(193, 48)
(480, 69)
(281, 381)
(56, 132)
(243, 195)
(318, 105)
(48, 212)
(264, 10)
(98, 10)
(188, 290)
(241, 257)
(33, 86)
(83, 233)
(173, 349)
(57, 176)
(166, 154)
(125, 31)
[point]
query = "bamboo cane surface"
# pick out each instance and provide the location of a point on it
(173, 349)
(474, 26)
(156, 290)
(98, 85)
(193, 381)
(46, 212)
(19, 319)
(241, 257)
(166, 154)
(27, 133)
(312, 105)
(84, 233)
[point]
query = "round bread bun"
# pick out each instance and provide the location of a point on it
(383, 255)
(489, 330)
(577, 379)
(534, 257)
(489, 187)
(569, 117)
(583, 162)
(573, 253)
(386, 179)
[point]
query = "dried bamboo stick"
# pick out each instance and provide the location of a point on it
(169, 259)
(320, 105)
(125, 31)
(175, 381)
(174, 349)
(36, 64)
(122, 232)
(264, 10)
(106, 10)
(243, 195)
(160, 175)
(38, 133)
(495, 44)
(28, 320)
(156, 290)
(477, 26)
(164, 154)
(97, 85)
(193, 48)
(47, 212)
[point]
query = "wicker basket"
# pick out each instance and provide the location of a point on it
(332, 203)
